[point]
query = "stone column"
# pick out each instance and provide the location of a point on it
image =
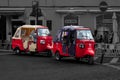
(8, 28)
(115, 27)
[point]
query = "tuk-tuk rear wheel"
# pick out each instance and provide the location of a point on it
(57, 56)
(32, 53)
(17, 51)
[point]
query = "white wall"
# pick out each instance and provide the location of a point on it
(87, 20)
(59, 2)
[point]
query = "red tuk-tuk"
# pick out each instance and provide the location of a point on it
(32, 38)
(74, 41)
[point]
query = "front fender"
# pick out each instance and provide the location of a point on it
(90, 52)
(50, 47)
(56, 50)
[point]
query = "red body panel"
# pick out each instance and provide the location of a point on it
(40, 47)
(47, 46)
(17, 43)
(58, 47)
(79, 52)
(87, 50)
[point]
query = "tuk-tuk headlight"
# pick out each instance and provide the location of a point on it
(42, 41)
(82, 45)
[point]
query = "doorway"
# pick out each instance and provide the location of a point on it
(2, 28)
(15, 25)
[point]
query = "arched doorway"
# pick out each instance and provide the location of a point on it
(104, 27)
(3, 28)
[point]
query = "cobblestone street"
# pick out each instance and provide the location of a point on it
(38, 67)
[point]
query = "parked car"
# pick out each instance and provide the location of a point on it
(74, 41)
(32, 39)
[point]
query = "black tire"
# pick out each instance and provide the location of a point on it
(49, 53)
(77, 59)
(57, 56)
(90, 60)
(17, 51)
(32, 53)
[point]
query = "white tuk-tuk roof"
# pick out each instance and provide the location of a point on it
(32, 26)
(26, 27)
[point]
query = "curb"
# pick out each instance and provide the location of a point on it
(2, 50)
(110, 60)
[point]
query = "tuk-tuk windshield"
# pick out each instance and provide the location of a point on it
(43, 32)
(84, 34)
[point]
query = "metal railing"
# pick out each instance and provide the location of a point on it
(5, 45)
(111, 50)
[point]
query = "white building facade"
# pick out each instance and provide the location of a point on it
(58, 13)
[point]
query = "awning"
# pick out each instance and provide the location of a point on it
(12, 11)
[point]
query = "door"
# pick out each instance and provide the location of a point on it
(65, 41)
(71, 46)
(15, 25)
(2, 29)
(44, 40)
(68, 42)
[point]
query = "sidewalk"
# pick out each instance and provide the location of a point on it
(110, 56)
(111, 60)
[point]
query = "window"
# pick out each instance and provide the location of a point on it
(23, 32)
(39, 22)
(17, 34)
(43, 32)
(84, 34)
(49, 24)
(58, 36)
(104, 21)
(32, 22)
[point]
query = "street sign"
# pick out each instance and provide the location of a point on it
(103, 6)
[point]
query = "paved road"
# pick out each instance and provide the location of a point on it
(27, 67)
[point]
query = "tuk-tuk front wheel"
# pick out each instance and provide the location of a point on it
(17, 51)
(77, 59)
(90, 60)
(57, 56)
